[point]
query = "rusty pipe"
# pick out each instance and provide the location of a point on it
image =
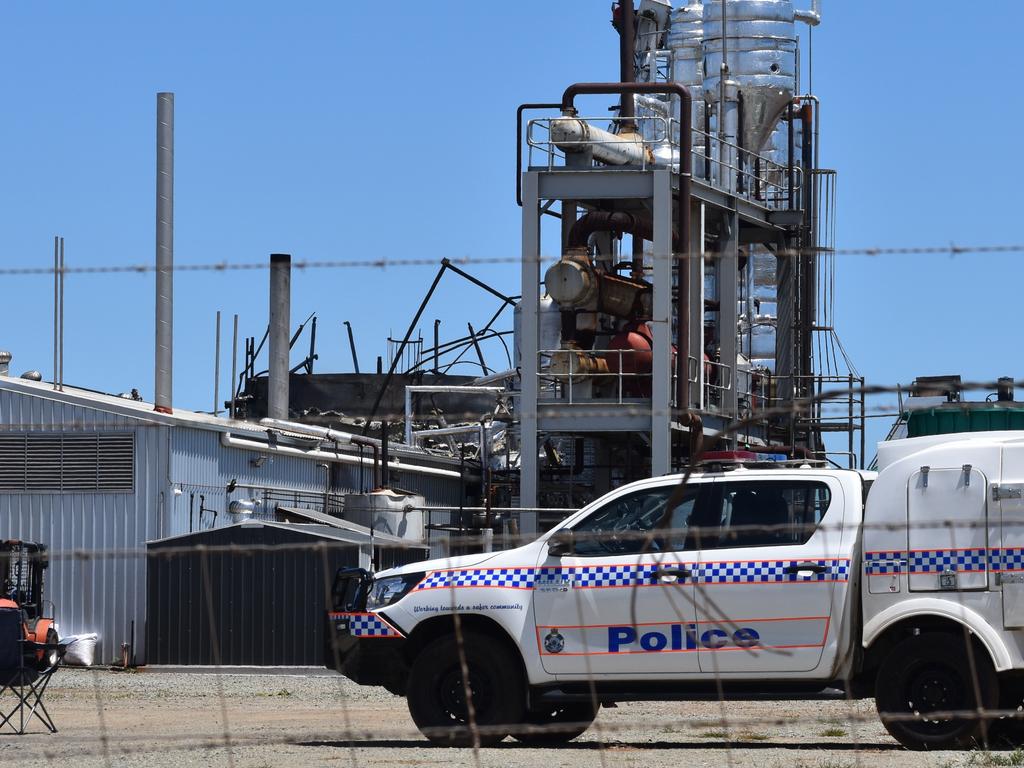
(373, 445)
(695, 424)
(616, 222)
(627, 62)
(685, 171)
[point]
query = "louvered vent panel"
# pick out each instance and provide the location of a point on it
(70, 463)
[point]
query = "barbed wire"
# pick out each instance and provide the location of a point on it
(384, 263)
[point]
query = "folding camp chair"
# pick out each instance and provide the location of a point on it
(23, 674)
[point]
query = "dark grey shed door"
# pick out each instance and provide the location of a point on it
(260, 604)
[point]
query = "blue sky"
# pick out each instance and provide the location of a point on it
(369, 130)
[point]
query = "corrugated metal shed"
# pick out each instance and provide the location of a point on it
(183, 465)
(252, 594)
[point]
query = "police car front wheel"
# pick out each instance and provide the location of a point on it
(439, 693)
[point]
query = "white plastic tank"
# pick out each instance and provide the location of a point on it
(392, 512)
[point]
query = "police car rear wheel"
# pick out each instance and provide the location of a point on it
(436, 691)
(927, 675)
(555, 725)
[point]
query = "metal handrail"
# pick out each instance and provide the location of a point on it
(758, 179)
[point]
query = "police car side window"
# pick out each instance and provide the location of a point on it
(764, 513)
(623, 526)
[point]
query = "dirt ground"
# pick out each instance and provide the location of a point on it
(253, 720)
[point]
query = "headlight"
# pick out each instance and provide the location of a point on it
(384, 592)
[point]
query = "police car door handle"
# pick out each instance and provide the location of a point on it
(672, 575)
(812, 567)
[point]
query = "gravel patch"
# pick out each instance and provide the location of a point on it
(253, 720)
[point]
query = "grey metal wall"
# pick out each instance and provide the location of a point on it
(201, 466)
(97, 540)
(104, 592)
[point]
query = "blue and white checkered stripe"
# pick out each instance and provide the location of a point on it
(885, 563)
(628, 575)
(771, 572)
(509, 578)
(368, 625)
(588, 576)
(1008, 559)
(940, 560)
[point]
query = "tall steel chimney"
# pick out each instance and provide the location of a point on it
(280, 329)
(164, 250)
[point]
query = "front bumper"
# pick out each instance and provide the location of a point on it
(365, 648)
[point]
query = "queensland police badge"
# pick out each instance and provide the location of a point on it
(554, 642)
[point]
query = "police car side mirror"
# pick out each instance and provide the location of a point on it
(561, 543)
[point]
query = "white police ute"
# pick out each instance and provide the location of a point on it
(745, 579)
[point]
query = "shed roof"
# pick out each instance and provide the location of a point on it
(137, 409)
(349, 534)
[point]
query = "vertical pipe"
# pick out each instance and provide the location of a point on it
(234, 367)
(627, 62)
(529, 385)
(60, 345)
(280, 323)
(216, 368)
(56, 299)
(164, 250)
(408, 416)
(385, 458)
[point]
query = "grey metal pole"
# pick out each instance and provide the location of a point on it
(164, 250)
(56, 299)
(280, 323)
(216, 369)
(234, 367)
(60, 345)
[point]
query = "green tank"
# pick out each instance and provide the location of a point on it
(966, 417)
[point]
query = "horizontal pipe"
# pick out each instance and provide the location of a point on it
(812, 17)
(459, 430)
(230, 441)
(345, 438)
(449, 388)
(573, 135)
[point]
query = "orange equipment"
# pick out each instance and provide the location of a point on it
(22, 564)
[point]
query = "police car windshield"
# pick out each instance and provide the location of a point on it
(623, 525)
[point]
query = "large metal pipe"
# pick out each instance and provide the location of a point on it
(164, 251)
(617, 222)
(685, 171)
(627, 60)
(625, 148)
(280, 324)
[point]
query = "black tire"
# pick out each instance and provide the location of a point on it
(436, 691)
(931, 673)
(1008, 730)
(555, 725)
